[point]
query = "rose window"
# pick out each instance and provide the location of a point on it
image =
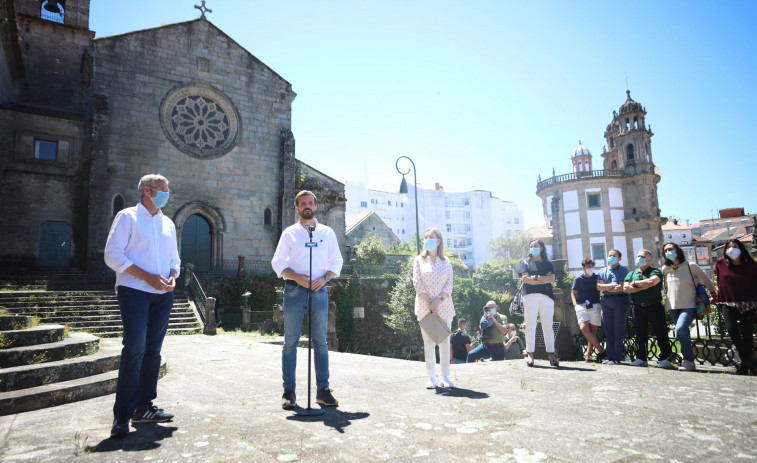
(200, 121)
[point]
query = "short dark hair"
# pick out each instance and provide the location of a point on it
(679, 251)
(620, 254)
(304, 193)
(745, 256)
(461, 322)
(586, 262)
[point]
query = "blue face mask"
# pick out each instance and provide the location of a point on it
(160, 199)
(671, 255)
(535, 251)
(612, 260)
(430, 244)
(641, 261)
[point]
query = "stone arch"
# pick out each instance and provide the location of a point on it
(268, 217)
(217, 223)
(117, 203)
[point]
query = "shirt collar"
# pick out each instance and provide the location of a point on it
(141, 209)
(303, 227)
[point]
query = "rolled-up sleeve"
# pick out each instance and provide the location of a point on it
(417, 282)
(335, 256)
(281, 256)
(175, 262)
(118, 238)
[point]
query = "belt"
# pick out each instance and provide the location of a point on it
(648, 304)
(290, 283)
(613, 295)
(495, 344)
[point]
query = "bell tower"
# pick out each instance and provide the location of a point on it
(53, 37)
(627, 137)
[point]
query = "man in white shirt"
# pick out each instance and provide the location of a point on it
(141, 248)
(292, 262)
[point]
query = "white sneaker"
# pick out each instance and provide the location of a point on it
(687, 366)
(640, 363)
(447, 383)
(431, 384)
(664, 364)
(607, 362)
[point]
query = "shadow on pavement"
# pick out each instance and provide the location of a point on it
(333, 418)
(562, 368)
(460, 392)
(146, 437)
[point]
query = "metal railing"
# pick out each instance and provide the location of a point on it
(714, 349)
(197, 294)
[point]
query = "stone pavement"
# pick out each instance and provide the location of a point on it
(225, 392)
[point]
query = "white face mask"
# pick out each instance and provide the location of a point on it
(589, 272)
(733, 253)
(493, 312)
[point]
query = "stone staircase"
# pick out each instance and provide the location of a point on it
(93, 311)
(43, 366)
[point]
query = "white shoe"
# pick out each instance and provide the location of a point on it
(607, 362)
(687, 366)
(447, 383)
(664, 364)
(431, 384)
(640, 363)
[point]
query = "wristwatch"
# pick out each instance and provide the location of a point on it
(327, 277)
(441, 298)
(536, 277)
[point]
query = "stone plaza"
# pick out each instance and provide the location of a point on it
(225, 393)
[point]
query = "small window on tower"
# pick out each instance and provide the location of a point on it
(614, 164)
(46, 150)
(593, 200)
(598, 251)
(267, 216)
(629, 152)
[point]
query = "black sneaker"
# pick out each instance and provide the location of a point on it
(120, 427)
(324, 397)
(288, 400)
(152, 415)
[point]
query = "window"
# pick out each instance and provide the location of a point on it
(614, 164)
(593, 199)
(363, 203)
(449, 228)
(388, 203)
(743, 220)
(118, 204)
(707, 225)
(402, 204)
(516, 221)
(46, 150)
(612, 143)
(403, 231)
(598, 251)
(634, 211)
(629, 152)
(267, 213)
(52, 10)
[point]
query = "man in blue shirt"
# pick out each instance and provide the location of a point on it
(615, 305)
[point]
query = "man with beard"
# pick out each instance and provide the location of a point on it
(292, 262)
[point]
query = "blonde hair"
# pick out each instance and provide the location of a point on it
(439, 243)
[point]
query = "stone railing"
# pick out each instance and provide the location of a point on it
(631, 169)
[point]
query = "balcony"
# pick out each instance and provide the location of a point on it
(630, 170)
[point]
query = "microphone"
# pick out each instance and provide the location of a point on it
(310, 228)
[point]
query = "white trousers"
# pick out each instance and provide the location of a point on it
(544, 306)
(429, 349)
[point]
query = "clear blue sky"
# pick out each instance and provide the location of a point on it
(490, 94)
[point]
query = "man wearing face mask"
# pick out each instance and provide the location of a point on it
(492, 336)
(142, 250)
(585, 296)
(615, 305)
(645, 286)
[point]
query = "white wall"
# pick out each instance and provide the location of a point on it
(572, 224)
(619, 243)
(575, 252)
(596, 219)
(616, 197)
(570, 200)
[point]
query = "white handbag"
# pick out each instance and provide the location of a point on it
(435, 327)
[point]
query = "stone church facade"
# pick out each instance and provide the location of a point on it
(184, 100)
(591, 211)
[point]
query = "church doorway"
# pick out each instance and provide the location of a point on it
(54, 244)
(196, 243)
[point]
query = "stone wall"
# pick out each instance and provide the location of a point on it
(134, 74)
(37, 191)
(372, 224)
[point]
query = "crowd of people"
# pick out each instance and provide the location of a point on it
(602, 298)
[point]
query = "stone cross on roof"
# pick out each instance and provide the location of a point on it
(203, 9)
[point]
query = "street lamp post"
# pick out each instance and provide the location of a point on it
(403, 190)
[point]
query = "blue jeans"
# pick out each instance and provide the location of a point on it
(683, 318)
(295, 308)
(614, 316)
(145, 320)
(485, 351)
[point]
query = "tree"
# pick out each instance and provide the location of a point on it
(510, 247)
(371, 250)
(401, 318)
(405, 247)
(496, 275)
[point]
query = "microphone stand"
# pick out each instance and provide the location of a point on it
(310, 411)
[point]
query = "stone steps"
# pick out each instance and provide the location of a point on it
(40, 334)
(76, 345)
(26, 376)
(61, 393)
(14, 322)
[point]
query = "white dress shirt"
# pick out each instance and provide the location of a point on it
(149, 242)
(292, 253)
